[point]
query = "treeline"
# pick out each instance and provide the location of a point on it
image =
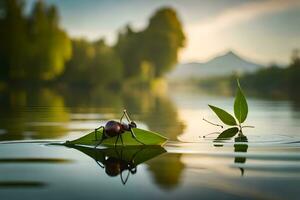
(272, 81)
(34, 48)
(276, 81)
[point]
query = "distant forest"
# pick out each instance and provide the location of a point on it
(272, 81)
(35, 49)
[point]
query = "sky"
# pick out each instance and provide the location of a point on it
(264, 31)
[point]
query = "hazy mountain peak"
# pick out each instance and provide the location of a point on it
(223, 64)
(230, 53)
(227, 55)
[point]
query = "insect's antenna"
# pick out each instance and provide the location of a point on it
(212, 123)
(122, 117)
(126, 115)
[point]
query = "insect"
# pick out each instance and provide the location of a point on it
(115, 165)
(113, 128)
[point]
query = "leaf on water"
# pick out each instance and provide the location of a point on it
(145, 136)
(224, 116)
(138, 154)
(240, 105)
(228, 133)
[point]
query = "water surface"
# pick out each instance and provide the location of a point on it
(262, 165)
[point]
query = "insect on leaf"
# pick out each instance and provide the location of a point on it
(228, 133)
(224, 116)
(147, 137)
(240, 105)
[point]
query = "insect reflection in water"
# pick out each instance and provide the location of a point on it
(121, 161)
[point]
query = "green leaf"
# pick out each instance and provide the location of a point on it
(224, 116)
(240, 105)
(138, 154)
(147, 137)
(228, 133)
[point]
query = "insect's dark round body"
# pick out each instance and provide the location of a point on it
(114, 128)
(115, 166)
(112, 167)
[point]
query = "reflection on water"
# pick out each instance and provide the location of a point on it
(34, 160)
(48, 113)
(238, 147)
(167, 171)
(263, 165)
(23, 109)
(117, 161)
(21, 184)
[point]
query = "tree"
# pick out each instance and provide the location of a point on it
(93, 63)
(34, 47)
(50, 46)
(106, 67)
(293, 74)
(162, 39)
(128, 48)
(157, 45)
(13, 38)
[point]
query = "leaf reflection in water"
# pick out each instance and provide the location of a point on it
(121, 161)
(240, 144)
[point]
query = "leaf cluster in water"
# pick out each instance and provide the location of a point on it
(240, 114)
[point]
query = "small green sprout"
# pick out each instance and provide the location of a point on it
(240, 115)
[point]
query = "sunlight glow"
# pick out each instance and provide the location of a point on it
(207, 38)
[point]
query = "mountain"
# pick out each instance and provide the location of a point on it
(225, 64)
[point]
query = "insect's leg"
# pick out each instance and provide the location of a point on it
(121, 140)
(124, 181)
(96, 129)
(102, 138)
(96, 158)
(117, 139)
(134, 136)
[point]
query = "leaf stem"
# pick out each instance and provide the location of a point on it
(212, 123)
(248, 126)
(210, 134)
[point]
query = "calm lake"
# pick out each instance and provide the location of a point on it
(263, 165)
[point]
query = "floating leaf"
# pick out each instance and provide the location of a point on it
(240, 105)
(224, 116)
(228, 133)
(138, 154)
(147, 137)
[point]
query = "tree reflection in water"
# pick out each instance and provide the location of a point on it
(32, 114)
(45, 113)
(167, 170)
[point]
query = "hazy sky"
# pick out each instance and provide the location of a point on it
(262, 30)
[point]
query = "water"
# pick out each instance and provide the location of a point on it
(262, 165)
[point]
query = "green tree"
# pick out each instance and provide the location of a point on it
(77, 67)
(162, 39)
(106, 67)
(50, 46)
(157, 45)
(13, 38)
(93, 63)
(128, 48)
(293, 74)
